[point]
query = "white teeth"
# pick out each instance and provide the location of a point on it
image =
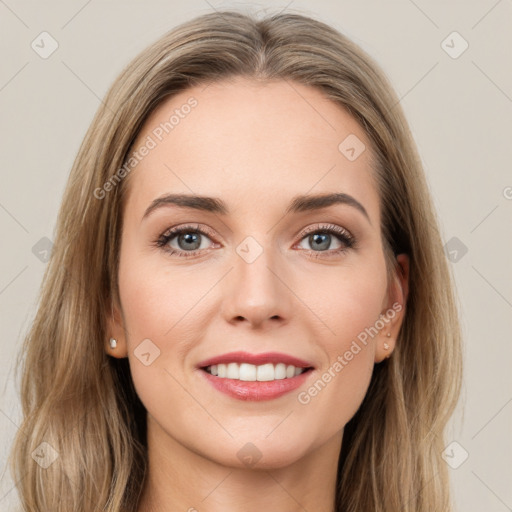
(247, 371)
(265, 372)
(280, 371)
(232, 371)
(251, 372)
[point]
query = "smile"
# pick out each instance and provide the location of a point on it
(250, 372)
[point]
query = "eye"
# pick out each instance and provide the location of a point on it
(321, 238)
(189, 240)
(184, 240)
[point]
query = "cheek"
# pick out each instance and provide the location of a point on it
(348, 301)
(350, 307)
(156, 300)
(155, 309)
(163, 319)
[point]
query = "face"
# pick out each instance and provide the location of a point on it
(261, 268)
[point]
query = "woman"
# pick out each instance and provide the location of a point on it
(247, 304)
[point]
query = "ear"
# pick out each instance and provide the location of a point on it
(116, 330)
(394, 308)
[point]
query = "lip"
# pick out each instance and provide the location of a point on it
(256, 390)
(256, 359)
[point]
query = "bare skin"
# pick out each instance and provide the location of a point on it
(255, 146)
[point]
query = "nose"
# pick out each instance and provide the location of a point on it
(256, 293)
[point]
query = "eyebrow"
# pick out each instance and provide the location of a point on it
(215, 205)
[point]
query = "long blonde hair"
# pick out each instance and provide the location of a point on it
(82, 403)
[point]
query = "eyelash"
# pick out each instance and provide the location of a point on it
(342, 234)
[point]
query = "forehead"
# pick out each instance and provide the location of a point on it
(252, 143)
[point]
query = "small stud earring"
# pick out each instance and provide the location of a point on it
(388, 334)
(113, 343)
(386, 346)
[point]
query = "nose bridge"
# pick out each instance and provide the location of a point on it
(255, 291)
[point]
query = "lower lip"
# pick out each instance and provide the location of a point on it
(256, 390)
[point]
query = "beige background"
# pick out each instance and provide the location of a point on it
(459, 110)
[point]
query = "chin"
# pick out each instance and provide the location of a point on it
(261, 454)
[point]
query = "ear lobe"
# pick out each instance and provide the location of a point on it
(115, 330)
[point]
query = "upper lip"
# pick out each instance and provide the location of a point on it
(255, 359)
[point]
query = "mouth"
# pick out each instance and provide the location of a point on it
(255, 373)
(249, 367)
(246, 376)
